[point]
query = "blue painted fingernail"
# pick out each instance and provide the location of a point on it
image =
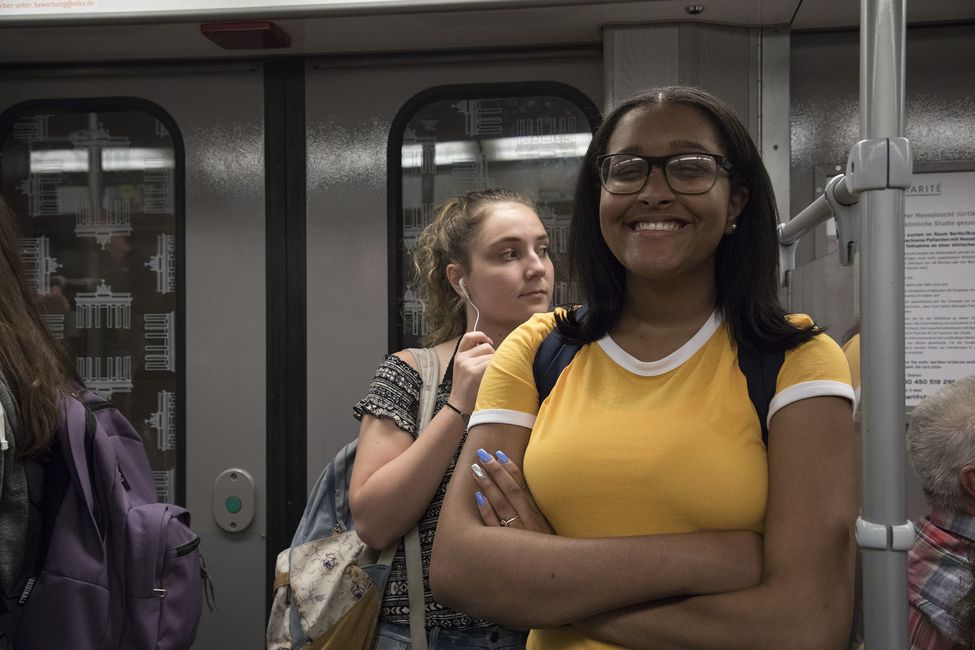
(484, 456)
(501, 456)
(480, 499)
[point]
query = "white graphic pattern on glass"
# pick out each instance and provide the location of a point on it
(157, 193)
(38, 264)
(54, 324)
(112, 218)
(415, 220)
(42, 192)
(163, 263)
(103, 308)
(106, 375)
(164, 480)
(481, 117)
(416, 324)
(32, 129)
(160, 335)
(164, 421)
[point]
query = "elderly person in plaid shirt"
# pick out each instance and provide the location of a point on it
(941, 448)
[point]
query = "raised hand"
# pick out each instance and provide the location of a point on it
(473, 356)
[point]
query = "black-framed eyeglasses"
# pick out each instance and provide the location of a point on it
(685, 173)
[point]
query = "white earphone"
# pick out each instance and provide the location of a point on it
(467, 297)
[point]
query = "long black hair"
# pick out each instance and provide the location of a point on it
(746, 264)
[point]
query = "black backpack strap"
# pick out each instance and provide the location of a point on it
(551, 358)
(761, 369)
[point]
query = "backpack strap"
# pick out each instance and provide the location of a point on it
(761, 370)
(429, 366)
(551, 358)
(76, 434)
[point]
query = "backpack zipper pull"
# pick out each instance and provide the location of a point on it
(121, 478)
(211, 597)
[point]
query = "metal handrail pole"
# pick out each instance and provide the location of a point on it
(817, 212)
(811, 216)
(882, 325)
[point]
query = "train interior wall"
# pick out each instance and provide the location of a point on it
(939, 121)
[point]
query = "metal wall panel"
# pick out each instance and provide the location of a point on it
(940, 123)
(350, 110)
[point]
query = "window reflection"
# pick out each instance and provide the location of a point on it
(94, 192)
(531, 144)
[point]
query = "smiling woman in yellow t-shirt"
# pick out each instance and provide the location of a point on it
(673, 524)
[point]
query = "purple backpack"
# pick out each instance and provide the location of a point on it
(117, 569)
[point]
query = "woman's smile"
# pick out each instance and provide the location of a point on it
(668, 226)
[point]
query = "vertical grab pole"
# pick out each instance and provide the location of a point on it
(882, 26)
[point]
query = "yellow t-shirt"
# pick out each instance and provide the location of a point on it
(627, 447)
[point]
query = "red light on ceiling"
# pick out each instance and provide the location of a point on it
(248, 35)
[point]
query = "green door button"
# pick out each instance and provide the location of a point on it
(234, 500)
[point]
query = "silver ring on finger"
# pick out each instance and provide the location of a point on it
(507, 522)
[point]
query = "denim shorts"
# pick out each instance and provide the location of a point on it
(390, 636)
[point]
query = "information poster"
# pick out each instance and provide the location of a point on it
(939, 278)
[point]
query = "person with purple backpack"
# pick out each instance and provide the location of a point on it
(34, 372)
(88, 556)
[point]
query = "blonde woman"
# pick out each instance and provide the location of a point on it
(482, 269)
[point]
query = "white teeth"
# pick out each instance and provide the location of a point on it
(657, 225)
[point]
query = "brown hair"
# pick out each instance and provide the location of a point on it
(37, 368)
(447, 240)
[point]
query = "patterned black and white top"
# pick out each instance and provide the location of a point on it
(395, 393)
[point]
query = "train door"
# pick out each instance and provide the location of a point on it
(372, 124)
(141, 198)
(187, 188)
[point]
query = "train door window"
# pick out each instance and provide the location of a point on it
(528, 137)
(95, 187)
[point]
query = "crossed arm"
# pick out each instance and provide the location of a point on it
(524, 578)
(802, 597)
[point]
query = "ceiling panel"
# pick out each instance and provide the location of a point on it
(534, 22)
(359, 28)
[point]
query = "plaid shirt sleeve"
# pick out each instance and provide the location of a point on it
(939, 573)
(925, 636)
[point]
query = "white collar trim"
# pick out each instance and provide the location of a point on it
(673, 360)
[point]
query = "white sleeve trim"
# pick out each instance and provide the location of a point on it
(808, 389)
(501, 416)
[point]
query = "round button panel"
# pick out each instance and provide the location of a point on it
(234, 498)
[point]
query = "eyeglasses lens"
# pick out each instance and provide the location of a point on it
(690, 174)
